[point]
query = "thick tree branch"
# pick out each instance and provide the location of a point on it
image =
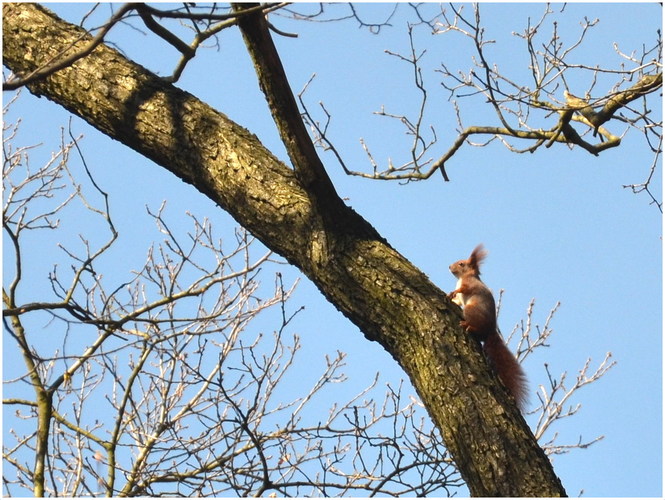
(284, 109)
(389, 299)
(67, 57)
(646, 85)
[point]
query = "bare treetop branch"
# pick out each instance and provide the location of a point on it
(543, 112)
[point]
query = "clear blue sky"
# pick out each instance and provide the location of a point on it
(557, 223)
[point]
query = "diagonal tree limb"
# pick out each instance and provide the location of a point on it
(275, 86)
(646, 85)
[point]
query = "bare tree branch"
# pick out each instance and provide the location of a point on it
(554, 399)
(542, 113)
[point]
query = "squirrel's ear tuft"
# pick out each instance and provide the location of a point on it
(478, 255)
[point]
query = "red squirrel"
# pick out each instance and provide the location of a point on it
(480, 321)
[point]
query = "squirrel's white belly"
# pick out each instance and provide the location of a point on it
(459, 298)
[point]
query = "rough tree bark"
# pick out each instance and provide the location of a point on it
(298, 215)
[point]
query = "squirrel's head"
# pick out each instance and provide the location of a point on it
(458, 268)
(470, 266)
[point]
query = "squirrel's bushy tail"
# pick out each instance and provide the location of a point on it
(507, 368)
